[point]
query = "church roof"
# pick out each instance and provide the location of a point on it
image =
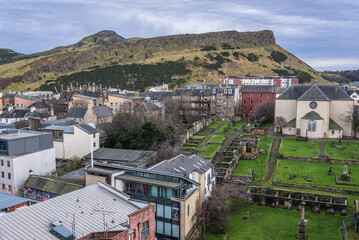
(312, 116)
(333, 125)
(291, 123)
(315, 92)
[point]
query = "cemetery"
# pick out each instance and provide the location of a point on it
(290, 147)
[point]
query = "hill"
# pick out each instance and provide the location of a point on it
(346, 76)
(138, 63)
(7, 55)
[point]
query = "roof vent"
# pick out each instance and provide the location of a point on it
(62, 233)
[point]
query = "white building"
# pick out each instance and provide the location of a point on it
(315, 111)
(22, 153)
(74, 141)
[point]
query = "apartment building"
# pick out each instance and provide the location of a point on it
(252, 95)
(23, 153)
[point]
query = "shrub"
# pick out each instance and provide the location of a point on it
(208, 48)
(278, 56)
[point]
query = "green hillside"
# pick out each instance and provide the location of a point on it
(139, 63)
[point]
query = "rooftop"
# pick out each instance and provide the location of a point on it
(9, 134)
(315, 92)
(258, 88)
(36, 221)
(28, 98)
(150, 181)
(122, 156)
(8, 200)
(182, 164)
(87, 128)
(85, 97)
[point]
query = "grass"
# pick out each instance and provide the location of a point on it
(225, 126)
(210, 150)
(291, 148)
(244, 165)
(239, 126)
(217, 139)
(200, 137)
(215, 125)
(316, 173)
(349, 153)
(269, 223)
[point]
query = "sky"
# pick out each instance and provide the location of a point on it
(322, 33)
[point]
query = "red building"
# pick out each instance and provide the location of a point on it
(252, 95)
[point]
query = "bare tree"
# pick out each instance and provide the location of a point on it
(216, 208)
(172, 106)
(265, 110)
(280, 122)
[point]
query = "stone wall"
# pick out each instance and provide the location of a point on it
(198, 126)
(326, 189)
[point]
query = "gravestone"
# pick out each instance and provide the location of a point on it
(301, 232)
(345, 176)
(330, 170)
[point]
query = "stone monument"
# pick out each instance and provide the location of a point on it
(301, 232)
(345, 176)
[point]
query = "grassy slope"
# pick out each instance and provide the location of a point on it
(240, 67)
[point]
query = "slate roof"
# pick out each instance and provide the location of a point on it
(49, 185)
(102, 111)
(77, 112)
(58, 122)
(157, 96)
(87, 128)
(65, 129)
(87, 204)
(122, 156)
(312, 92)
(38, 105)
(312, 116)
(86, 97)
(121, 96)
(15, 113)
(184, 165)
(291, 123)
(333, 125)
(8, 95)
(9, 200)
(258, 88)
(147, 107)
(65, 96)
(37, 114)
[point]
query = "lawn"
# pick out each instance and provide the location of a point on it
(217, 139)
(198, 137)
(289, 147)
(215, 125)
(244, 165)
(316, 173)
(210, 150)
(266, 223)
(239, 126)
(349, 153)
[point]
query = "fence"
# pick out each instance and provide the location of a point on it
(347, 222)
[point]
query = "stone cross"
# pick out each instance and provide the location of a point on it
(345, 169)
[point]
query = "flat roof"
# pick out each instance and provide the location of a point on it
(151, 181)
(19, 134)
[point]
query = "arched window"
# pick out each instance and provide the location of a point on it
(312, 126)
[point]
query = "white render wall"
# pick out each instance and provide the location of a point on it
(286, 109)
(78, 144)
(41, 163)
(338, 111)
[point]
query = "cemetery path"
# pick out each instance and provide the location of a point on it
(273, 157)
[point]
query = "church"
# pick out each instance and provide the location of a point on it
(314, 111)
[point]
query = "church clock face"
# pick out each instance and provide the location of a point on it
(313, 105)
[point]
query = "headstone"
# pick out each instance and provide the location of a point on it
(350, 170)
(333, 144)
(290, 176)
(345, 176)
(305, 174)
(330, 170)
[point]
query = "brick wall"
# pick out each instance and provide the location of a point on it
(250, 100)
(136, 219)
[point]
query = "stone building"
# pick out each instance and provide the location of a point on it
(315, 111)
